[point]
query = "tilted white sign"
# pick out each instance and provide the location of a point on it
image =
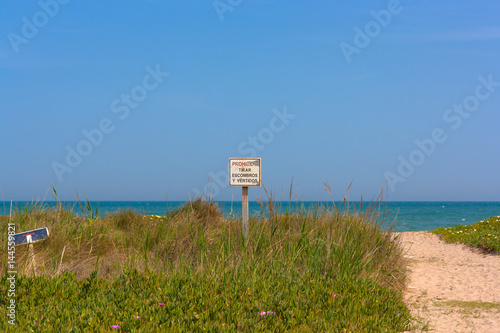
(244, 172)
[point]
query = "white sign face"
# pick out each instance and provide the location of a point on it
(244, 172)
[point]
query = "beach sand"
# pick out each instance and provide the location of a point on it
(452, 287)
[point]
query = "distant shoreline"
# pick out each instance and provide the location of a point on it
(409, 215)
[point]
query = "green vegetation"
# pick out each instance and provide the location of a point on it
(473, 305)
(483, 234)
(326, 269)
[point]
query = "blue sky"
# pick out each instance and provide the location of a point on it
(130, 100)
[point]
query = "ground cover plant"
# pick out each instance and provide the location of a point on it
(326, 269)
(484, 234)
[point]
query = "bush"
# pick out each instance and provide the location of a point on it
(484, 234)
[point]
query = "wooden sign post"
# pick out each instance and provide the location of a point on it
(244, 172)
(244, 210)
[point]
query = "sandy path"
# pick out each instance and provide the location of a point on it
(452, 288)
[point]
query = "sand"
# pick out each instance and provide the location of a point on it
(452, 287)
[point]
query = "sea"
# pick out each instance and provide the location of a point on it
(402, 215)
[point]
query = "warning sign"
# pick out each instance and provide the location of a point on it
(244, 172)
(30, 236)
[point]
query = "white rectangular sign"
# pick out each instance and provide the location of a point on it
(244, 172)
(30, 236)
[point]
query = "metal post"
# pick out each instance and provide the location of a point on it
(244, 210)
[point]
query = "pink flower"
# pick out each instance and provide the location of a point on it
(138, 317)
(161, 303)
(115, 327)
(263, 313)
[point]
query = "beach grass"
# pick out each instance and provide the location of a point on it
(484, 234)
(473, 305)
(326, 269)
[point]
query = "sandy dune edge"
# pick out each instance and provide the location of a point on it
(452, 288)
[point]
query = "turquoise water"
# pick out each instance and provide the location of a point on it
(410, 216)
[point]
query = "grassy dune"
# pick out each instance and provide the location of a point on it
(325, 269)
(484, 234)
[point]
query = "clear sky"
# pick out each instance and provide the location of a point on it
(130, 99)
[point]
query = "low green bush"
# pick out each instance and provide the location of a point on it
(484, 234)
(184, 302)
